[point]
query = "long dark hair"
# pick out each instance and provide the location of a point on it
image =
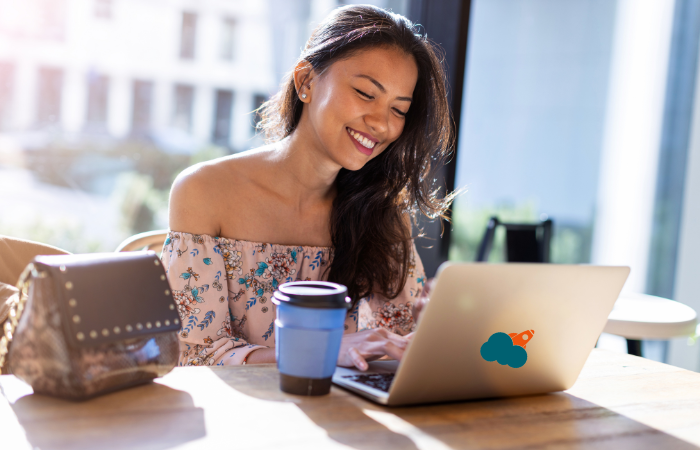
(370, 232)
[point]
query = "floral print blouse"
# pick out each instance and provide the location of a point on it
(223, 287)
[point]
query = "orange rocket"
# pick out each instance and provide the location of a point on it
(523, 338)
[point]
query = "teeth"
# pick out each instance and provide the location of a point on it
(361, 139)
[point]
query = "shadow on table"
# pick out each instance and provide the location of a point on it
(555, 421)
(151, 416)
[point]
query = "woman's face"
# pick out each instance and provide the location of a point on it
(356, 108)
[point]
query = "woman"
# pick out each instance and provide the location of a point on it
(352, 137)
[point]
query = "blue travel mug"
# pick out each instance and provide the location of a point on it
(308, 330)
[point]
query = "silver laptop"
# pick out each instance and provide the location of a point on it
(496, 330)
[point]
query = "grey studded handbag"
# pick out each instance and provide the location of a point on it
(85, 325)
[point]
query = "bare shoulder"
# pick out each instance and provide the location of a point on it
(202, 194)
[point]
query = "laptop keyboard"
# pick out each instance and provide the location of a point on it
(380, 381)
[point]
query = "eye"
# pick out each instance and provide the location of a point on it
(362, 93)
(401, 113)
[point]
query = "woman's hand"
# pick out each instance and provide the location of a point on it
(358, 348)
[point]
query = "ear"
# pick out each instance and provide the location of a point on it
(303, 75)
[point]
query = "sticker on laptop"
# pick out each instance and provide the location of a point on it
(507, 349)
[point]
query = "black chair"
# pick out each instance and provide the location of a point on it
(524, 242)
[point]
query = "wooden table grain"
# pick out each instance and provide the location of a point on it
(618, 402)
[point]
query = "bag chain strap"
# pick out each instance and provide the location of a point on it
(17, 304)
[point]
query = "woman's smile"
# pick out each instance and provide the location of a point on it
(362, 143)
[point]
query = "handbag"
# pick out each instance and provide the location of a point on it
(85, 325)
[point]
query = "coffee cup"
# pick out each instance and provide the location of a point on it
(308, 331)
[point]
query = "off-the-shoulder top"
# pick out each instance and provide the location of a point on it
(223, 287)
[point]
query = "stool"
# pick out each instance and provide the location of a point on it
(640, 316)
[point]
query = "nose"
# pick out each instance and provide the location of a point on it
(378, 121)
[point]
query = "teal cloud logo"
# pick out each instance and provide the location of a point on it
(507, 349)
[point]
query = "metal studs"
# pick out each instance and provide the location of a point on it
(105, 332)
(156, 262)
(157, 323)
(148, 325)
(139, 326)
(62, 268)
(129, 328)
(76, 319)
(162, 277)
(69, 285)
(117, 330)
(172, 306)
(80, 336)
(167, 292)
(73, 302)
(167, 323)
(93, 334)
(176, 321)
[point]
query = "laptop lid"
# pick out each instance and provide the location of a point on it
(554, 313)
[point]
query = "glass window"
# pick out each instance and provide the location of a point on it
(184, 97)
(141, 111)
(98, 94)
(228, 39)
(49, 96)
(533, 120)
(103, 9)
(222, 117)
(188, 35)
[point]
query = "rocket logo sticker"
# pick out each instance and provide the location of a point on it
(507, 349)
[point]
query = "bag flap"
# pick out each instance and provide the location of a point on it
(107, 297)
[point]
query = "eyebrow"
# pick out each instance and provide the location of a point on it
(381, 88)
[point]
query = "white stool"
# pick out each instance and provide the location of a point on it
(640, 316)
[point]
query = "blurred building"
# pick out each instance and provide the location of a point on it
(144, 68)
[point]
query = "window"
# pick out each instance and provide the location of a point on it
(533, 117)
(6, 79)
(228, 39)
(98, 93)
(49, 96)
(141, 111)
(188, 35)
(182, 114)
(222, 117)
(102, 9)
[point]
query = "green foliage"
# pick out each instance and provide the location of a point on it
(62, 234)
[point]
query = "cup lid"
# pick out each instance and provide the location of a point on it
(312, 294)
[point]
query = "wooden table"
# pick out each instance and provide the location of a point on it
(619, 402)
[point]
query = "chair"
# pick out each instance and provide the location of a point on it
(524, 242)
(150, 240)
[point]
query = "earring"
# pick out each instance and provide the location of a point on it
(303, 95)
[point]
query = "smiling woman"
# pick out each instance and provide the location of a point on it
(353, 138)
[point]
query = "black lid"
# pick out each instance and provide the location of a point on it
(313, 294)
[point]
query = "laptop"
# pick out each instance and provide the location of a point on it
(496, 330)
